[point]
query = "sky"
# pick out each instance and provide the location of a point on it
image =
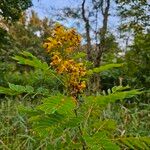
(44, 9)
(43, 6)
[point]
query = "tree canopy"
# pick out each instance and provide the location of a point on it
(12, 9)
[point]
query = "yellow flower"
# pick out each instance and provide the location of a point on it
(60, 45)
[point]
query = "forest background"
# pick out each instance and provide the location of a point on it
(74, 74)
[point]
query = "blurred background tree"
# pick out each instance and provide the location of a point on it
(12, 9)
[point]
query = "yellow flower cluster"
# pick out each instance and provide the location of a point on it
(74, 72)
(62, 42)
(63, 39)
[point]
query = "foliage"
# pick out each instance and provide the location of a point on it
(27, 34)
(130, 117)
(136, 67)
(56, 115)
(140, 64)
(40, 81)
(103, 68)
(12, 9)
(29, 59)
(19, 89)
(137, 14)
(44, 101)
(60, 116)
(12, 123)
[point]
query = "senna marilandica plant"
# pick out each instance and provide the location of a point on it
(61, 45)
(73, 126)
(59, 121)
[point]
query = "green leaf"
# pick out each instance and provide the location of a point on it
(29, 59)
(79, 55)
(72, 122)
(103, 68)
(59, 103)
(21, 89)
(17, 88)
(6, 91)
(134, 142)
(103, 100)
(105, 125)
(119, 88)
(26, 58)
(42, 91)
(100, 140)
(29, 89)
(43, 124)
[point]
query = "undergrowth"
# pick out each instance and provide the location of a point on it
(41, 117)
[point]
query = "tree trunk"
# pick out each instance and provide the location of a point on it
(95, 81)
(87, 29)
(101, 47)
(103, 32)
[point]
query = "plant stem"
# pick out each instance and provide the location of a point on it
(81, 133)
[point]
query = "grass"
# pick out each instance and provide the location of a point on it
(132, 120)
(16, 134)
(14, 129)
